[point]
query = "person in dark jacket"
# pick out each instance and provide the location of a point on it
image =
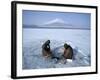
(46, 51)
(68, 51)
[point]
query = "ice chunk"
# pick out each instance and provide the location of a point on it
(69, 60)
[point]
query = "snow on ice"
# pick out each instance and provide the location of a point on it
(34, 38)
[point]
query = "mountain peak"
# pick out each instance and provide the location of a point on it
(56, 20)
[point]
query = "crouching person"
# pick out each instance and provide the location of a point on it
(68, 52)
(67, 55)
(46, 51)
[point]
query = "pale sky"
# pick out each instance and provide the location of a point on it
(31, 17)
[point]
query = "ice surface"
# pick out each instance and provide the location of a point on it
(34, 38)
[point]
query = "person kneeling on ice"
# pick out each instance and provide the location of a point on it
(46, 51)
(68, 52)
(67, 55)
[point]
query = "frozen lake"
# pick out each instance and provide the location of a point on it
(34, 38)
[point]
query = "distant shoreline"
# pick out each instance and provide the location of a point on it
(56, 28)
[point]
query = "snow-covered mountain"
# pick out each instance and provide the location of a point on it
(57, 20)
(56, 23)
